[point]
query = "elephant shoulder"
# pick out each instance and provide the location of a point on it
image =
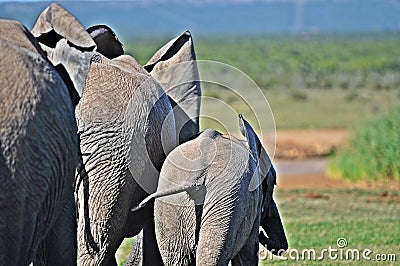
(15, 33)
(129, 64)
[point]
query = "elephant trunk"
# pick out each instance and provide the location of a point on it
(276, 241)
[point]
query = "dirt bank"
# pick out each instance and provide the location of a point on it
(308, 143)
(301, 162)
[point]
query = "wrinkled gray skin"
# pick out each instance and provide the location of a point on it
(71, 49)
(213, 194)
(38, 155)
(174, 67)
(125, 135)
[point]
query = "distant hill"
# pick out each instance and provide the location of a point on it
(135, 18)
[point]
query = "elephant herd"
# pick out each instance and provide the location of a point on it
(96, 147)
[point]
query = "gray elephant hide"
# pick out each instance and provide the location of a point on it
(38, 153)
(125, 133)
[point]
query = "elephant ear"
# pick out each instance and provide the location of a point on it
(67, 44)
(106, 40)
(55, 23)
(264, 165)
(174, 66)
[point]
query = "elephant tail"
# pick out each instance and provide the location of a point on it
(160, 194)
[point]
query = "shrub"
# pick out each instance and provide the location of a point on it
(373, 154)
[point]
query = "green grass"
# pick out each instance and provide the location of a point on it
(310, 81)
(365, 218)
(369, 60)
(374, 152)
(317, 109)
(124, 250)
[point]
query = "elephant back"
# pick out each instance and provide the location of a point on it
(122, 100)
(15, 33)
(113, 86)
(38, 140)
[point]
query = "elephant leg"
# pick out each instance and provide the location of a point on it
(60, 245)
(102, 218)
(276, 241)
(248, 255)
(136, 255)
(210, 249)
(142, 222)
(151, 252)
(17, 229)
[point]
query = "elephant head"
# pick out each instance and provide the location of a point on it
(38, 155)
(210, 199)
(106, 40)
(70, 47)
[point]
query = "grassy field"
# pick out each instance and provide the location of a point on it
(369, 60)
(315, 219)
(334, 108)
(310, 81)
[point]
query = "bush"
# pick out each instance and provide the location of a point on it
(373, 154)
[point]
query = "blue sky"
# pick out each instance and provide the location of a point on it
(222, 16)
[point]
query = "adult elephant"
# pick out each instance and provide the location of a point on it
(213, 194)
(125, 133)
(38, 155)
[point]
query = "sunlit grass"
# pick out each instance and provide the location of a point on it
(365, 218)
(374, 153)
(325, 61)
(124, 250)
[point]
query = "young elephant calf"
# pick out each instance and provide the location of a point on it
(214, 193)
